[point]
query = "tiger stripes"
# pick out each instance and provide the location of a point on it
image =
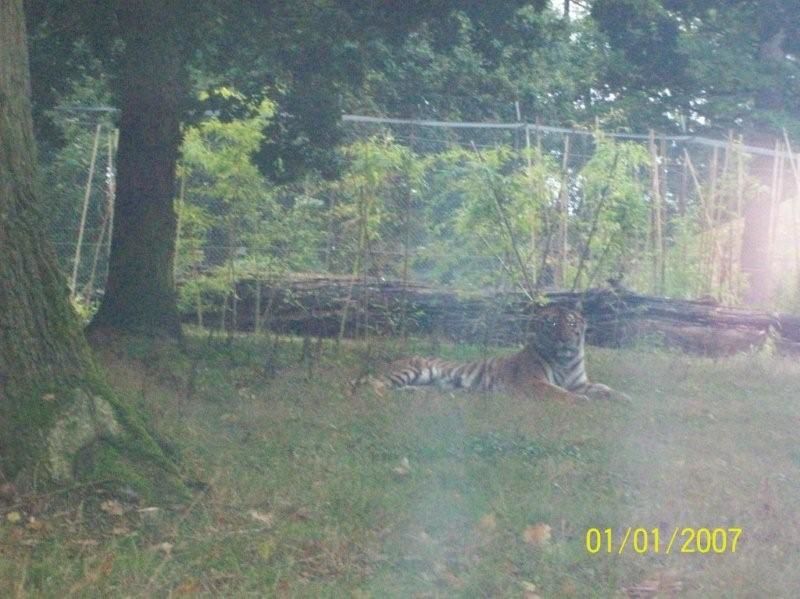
(552, 364)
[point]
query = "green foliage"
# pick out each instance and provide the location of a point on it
(374, 199)
(669, 65)
(233, 223)
(610, 223)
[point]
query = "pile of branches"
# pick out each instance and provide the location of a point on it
(330, 306)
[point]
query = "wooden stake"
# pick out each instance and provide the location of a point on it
(655, 213)
(538, 135)
(105, 227)
(713, 211)
(663, 215)
(739, 208)
(179, 224)
(532, 226)
(563, 214)
(684, 189)
(77, 260)
(704, 205)
(779, 198)
(772, 206)
(796, 172)
(114, 197)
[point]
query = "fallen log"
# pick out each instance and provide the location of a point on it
(327, 306)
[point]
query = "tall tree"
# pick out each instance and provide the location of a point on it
(310, 51)
(153, 85)
(56, 415)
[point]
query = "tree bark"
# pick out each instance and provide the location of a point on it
(55, 411)
(140, 290)
(323, 306)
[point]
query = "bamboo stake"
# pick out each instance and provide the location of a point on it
(663, 215)
(538, 135)
(722, 220)
(701, 196)
(739, 207)
(88, 192)
(739, 178)
(772, 207)
(178, 227)
(683, 190)
(533, 212)
(356, 267)
(713, 210)
(88, 289)
(779, 195)
(105, 227)
(114, 197)
(563, 214)
(655, 211)
(796, 173)
(406, 244)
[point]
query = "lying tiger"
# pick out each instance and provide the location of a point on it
(551, 365)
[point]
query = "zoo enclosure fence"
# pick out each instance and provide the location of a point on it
(689, 178)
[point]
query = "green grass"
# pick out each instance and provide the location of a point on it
(309, 494)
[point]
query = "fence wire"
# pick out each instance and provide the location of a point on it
(413, 226)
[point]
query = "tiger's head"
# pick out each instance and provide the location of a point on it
(557, 330)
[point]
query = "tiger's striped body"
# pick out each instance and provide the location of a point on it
(550, 365)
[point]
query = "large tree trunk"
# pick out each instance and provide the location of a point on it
(56, 414)
(140, 291)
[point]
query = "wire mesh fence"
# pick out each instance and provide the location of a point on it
(470, 206)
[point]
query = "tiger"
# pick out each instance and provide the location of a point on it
(550, 365)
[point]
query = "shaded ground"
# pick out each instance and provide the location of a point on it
(315, 491)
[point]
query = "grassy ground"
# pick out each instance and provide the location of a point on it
(317, 491)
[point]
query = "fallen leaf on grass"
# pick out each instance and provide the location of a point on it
(529, 590)
(49, 397)
(165, 548)
(403, 469)
(537, 534)
(527, 586)
(34, 524)
(112, 507)
(13, 517)
(120, 531)
(267, 519)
